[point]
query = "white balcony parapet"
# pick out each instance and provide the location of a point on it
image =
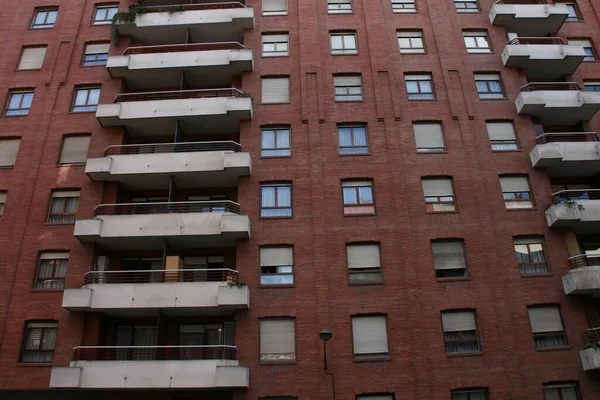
(584, 276)
(578, 210)
(557, 103)
(543, 58)
(567, 153)
(152, 367)
(529, 18)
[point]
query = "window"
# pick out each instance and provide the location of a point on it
(276, 200)
(573, 12)
(530, 255)
(40, 340)
(561, 391)
(590, 86)
(52, 269)
(411, 42)
(44, 19)
(86, 99)
(476, 42)
(277, 339)
(470, 394)
(590, 52)
(343, 43)
(358, 197)
(547, 327)
(516, 192)
(364, 264)
(439, 195)
(275, 45)
(3, 195)
(449, 258)
(275, 142)
(375, 397)
(489, 86)
(429, 137)
(32, 58)
(460, 331)
(502, 135)
(19, 102)
(404, 6)
(419, 87)
(348, 87)
(353, 140)
(275, 90)
(274, 7)
(64, 206)
(9, 149)
(369, 334)
(74, 149)
(95, 54)
(103, 15)
(464, 6)
(276, 265)
(339, 6)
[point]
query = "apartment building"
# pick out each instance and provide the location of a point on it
(192, 192)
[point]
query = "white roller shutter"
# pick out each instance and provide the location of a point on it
(54, 256)
(514, 184)
(428, 135)
(370, 334)
(437, 187)
(363, 255)
(66, 193)
(455, 321)
(276, 256)
(277, 339)
(448, 254)
(9, 148)
(347, 80)
(100, 48)
(75, 149)
(545, 319)
(275, 90)
(500, 130)
(32, 58)
(274, 7)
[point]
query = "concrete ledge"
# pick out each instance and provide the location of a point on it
(65, 377)
(562, 107)
(543, 61)
(584, 221)
(567, 158)
(529, 20)
(590, 359)
(582, 281)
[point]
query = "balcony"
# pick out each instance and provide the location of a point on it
(186, 224)
(557, 103)
(584, 276)
(203, 22)
(155, 67)
(173, 291)
(590, 355)
(578, 210)
(528, 18)
(543, 58)
(567, 154)
(152, 367)
(200, 110)
(190, 164)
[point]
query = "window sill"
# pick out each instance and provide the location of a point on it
(278, 56)
(422, 99)
(283, 286)
(351, 54)
(83, 112)
(521, 209)
(374, 283)
(276, 15)
(413, 54)
(361, 215)
(22, 364)
(275, 218)
(46, 290)
(442, 212)
(58, 223)
(7, 167)
(498, 99)
(359, 155)
(277, 363)
(463, 279)
(544, 275)
(472, 354)
(557, 348)
(14, 116)
(40, 29)
(91, 66)
(372, 359)
(507, 151)
(481, 54)
(432, 152)
(348, 101)
(274, 104)
(81, 164)
(273, 157)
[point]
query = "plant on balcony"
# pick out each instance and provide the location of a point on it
(238, 285)
(567, 202)
(126, 17)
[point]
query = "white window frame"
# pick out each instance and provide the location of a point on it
(466, 6)
(413, 39)
(481, 42)
(47, 12)
(109, 9)
(339, 7)
(420, 79)
(87, 106)
(346, 89)
(276, 151)
(275, 12)
(280, 43)
(404, 6)
(348, 39)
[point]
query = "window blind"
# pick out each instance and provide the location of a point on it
(346, 80)
(528, 240)
(99, 48)
(274, 6)
(9, 148)
(276, 90)
(356, 183)
(277, 339)
(448, 254)
(428, 135)
(2, 198)
(370, 334)
(376, 397)
(275, 256)
(417, 77)
(437, 187)
(500, 130)
(487, 77)
(363, 255)
(454, 321)
(74, 149)
(65, 193)
(42, 325)
(274, 38)
(514, 184)
(32, 58)
(54, 256)
(584, 43)
(545, 319)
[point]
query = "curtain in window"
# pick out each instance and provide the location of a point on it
(283, 140)
(345, 136)
(461, 347)
(284, 195)
(268, 197)
(365, 195)
(268, 140)
(360, 138)
(39, 339)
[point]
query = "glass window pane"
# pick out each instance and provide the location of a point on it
(283, 139)
(268, 197)
(365, 194)
(470, 41)
(425, 86)
(27, 100)
(15, 100)
(51, 19)
(350, 42)
(336, 42)
(350, 195)
(412, 86)
(81, 97)
(284, 196)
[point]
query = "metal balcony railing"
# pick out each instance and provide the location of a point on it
(536, 40)
(567, 137)
(161, 276)
(195, 6)
(534, 86)
(179, 94)
(592, 337)
(182, 147)
(578, 194)
(151, 353)
(584, 260)
(178, 48)
(168, 208)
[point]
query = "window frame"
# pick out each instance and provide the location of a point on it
(277, 184)
(50, 214)
(431, 210)
(572, 5)
(594, 84)
(476, 34)
(292, 274)
(54, 266)
(468, 391)
(3, 198)
(358, 204)
(404, 9)
(339, 9)
(463, 245)
(417, 96)
(371, 356)
(364, 270)
(343, 51)
(275, 52)
(489, 94)
(38, 10)
(8, 112)
(516, 137)
(521, 265)
(411, 50)
(461, 339)
(39, 350)
(343, 97)
(559, 385)
(282, 361)
(537, 335)
(352, 128)
(276, 130)
(274, 13)
(516, 199)
(87, 106)
(94, 63)
(106, 6)
(467, 9)
(62, 146)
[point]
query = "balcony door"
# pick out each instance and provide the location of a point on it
(146, 268)
(128, 336)
(200, 335)
(203, 263)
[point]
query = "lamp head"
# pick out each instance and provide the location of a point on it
(325, 335)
